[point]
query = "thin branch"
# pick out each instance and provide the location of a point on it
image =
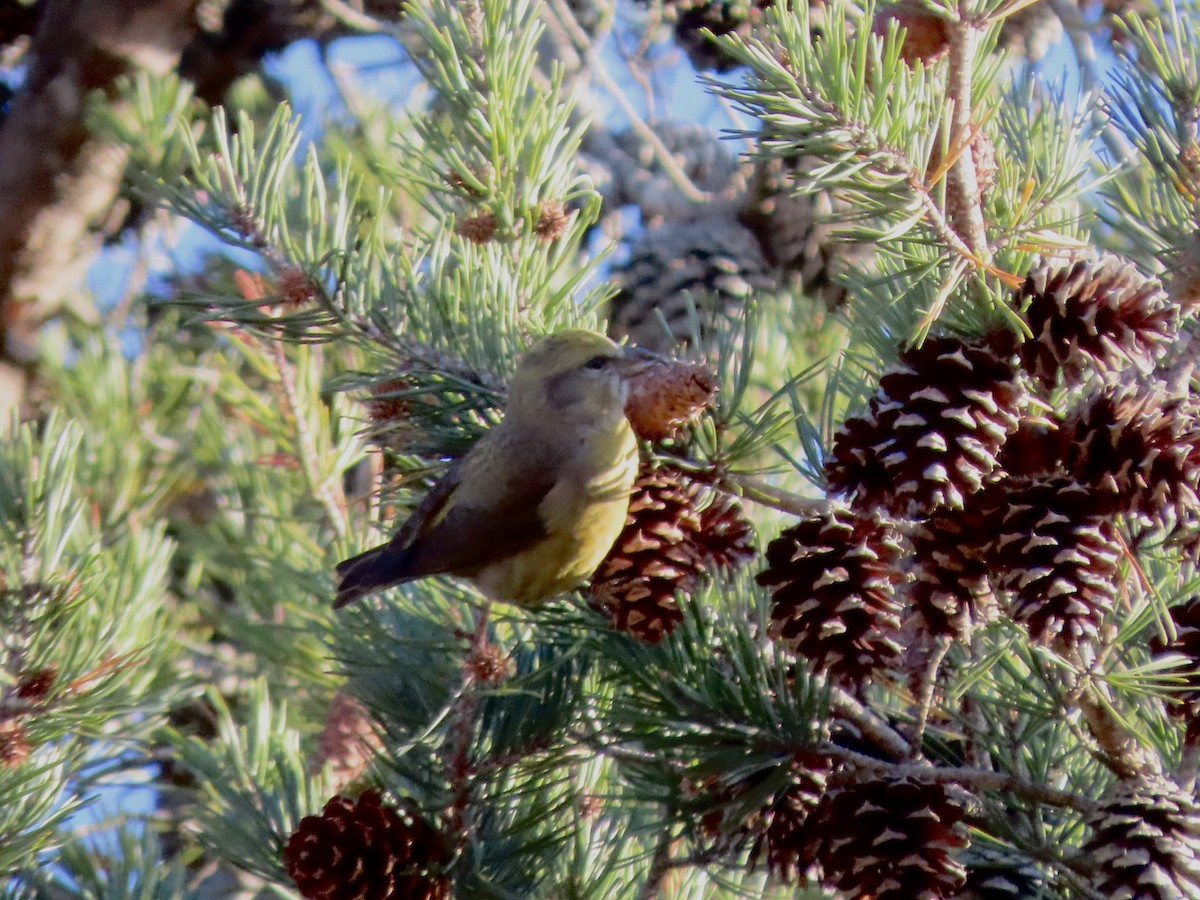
(660, 866)
(758, 491)
(974, 779)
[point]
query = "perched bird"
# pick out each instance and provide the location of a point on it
(531, 510)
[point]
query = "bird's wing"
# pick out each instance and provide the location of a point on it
(488, 513)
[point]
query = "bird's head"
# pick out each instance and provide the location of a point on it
(576, 376)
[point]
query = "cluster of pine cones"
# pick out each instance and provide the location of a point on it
(961, 496)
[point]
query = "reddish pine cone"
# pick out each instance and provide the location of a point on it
(1057, 555)
(925, 35)
(891, 839)
(1140, 451)
(678, 529)
(666, 396)
(1186, 617)
(783, 839)
(834, 602)
(348, 741)
(1095, 314)
(933, 430)
(1145, 842)
(950, 589)
(367, 851)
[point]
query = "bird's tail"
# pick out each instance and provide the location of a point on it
(374, 570)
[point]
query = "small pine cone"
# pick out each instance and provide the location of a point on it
(1140, 451)
(1057, 555)
(367, 851)
(295, 288)
(387, 402)
(14, 744)
(348, 740)
(891, 839)
(677, 530)
(926, 37)
(1145, 842)
(666, 396)
(933, 431)
(834, 601)
(950, 590)
(782, 838)
(994, 875)
(1093, 314)
(35, 685)
(1186, 617)
(553, 220)
(713, 265)
(480, 229)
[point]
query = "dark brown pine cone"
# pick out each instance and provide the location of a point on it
(834, 577)
(1093, 315)
(932, 432)
(678, 530)
(1141, 451)
(367, 851)
(891, 839)
(950, 589)
(1145, 842)
(1059, 556)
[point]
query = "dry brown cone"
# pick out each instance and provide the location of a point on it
(950, 589)
(14, 744)
(666, 396)
(834, 575)
(679, 528)
(348, 741)
(891, 838)
(932, 433)
(1139, 450)
(368, 851)
(1090, 315)
(480, 229)
(926, 37)
(775, 832)
(1059, 557)
(1145, 842)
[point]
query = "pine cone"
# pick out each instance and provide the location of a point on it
(1094, 314)
(890, 839)
(1141, 452)
(1186, 617)
(716, 263)
(932, 432)
(797, 229)
(776, 832)
(347, 742)
(834, 576)
(666, 396)
(782, 836)
(1145, 842)
(1058, 556)
(950, 590)
(994, 875)
(678, 529)
(367, 851)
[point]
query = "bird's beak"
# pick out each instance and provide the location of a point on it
(636, 360)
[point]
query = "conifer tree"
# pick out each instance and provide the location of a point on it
(904, 605)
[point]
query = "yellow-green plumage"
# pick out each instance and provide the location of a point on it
(536, 504)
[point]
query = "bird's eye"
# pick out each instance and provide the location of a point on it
(596, 362)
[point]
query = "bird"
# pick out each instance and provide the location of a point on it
(534, 506)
